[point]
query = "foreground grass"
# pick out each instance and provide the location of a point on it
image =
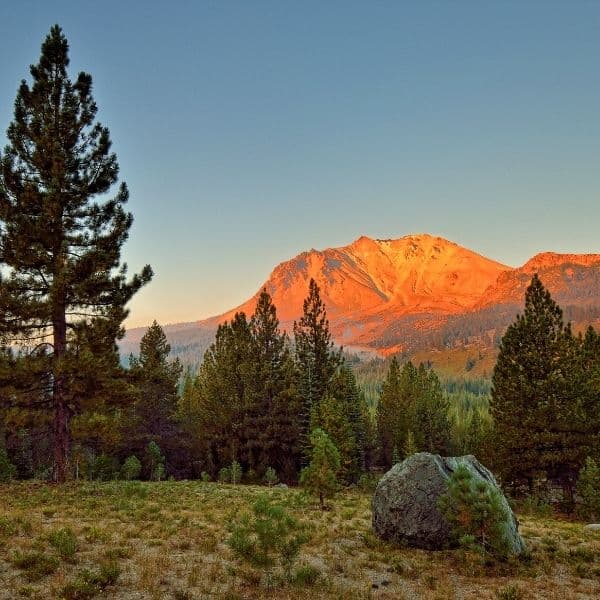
(167, 540)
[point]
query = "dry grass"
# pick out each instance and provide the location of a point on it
(167, 540)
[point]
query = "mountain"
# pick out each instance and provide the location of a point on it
(413, 295)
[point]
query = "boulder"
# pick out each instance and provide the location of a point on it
(405, 503)
(592, 527)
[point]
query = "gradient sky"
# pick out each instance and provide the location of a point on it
(250, 131)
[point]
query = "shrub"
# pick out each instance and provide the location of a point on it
(156, 461)
(588, 490)
(89, 584)
(236, 472)
(65, 542)
(368, 482)
(224, 475)
(251, 476)
(305, 575)
(510, 592)
(271, 477)
(320, 477)
(268, 537)
(8, 527)
(102, 468)
(8, 471)
(35, 565)
(134, 489)
(537, 507)
(476, 514)
(131, 468)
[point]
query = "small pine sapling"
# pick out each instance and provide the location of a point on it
(236, 472)
(131, 468)
(224, 475)
(588, 490)
(271, 478)
(320, 477)
(268, 537)
(475, 513)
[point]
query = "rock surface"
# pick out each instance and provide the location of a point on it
(405, 501)
(593, 527)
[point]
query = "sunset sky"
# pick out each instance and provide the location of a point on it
(251, 131)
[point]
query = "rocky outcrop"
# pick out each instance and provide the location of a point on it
(405, 503)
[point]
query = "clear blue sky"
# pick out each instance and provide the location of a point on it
(250, 131)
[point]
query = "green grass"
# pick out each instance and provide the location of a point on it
(169, 540)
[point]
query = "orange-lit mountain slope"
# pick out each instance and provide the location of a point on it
(411, 295)
(381, 280)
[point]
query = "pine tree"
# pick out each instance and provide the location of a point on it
(224, 384)
(272, 427)
(388, 417)
(154, 413)
(63, 291)
(320, 476)
(588, 490)
(475, 512)
(339, 414)
(395, 410)
(431, 426)
(474, 435)
(315, 355)
(532, 394)
(410, 447)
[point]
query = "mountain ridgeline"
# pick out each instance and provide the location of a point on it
(419, 294)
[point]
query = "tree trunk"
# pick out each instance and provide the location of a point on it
(61, 425)
(322, 500)
(61, 434)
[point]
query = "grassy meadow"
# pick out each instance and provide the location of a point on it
(169, 540)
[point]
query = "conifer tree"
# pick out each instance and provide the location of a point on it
(532, 395)
(223, 386)
(588, 490)
(320, 476)
(154, 412)
(315, 355)
(410, 447)
(395, 410)
(272, 427)
(431, 426)
(474, 435)
(339, 414)
(412, 403)
(63, 291)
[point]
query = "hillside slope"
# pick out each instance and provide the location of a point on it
(412, 295)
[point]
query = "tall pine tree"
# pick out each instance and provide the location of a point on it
(532, 395)
(154, 413)
(64, 291)
(316, 357)
(272, 419)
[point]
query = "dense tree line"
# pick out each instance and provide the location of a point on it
(69, 408)
(546, 395)
(258, 394)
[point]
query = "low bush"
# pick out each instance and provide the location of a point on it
(65, 542)
(131, 469)
(8, 471)
(535, 507)
(267, 538)
(91, 583)
(588, 491)
(34, 565)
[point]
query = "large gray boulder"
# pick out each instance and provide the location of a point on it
(405, 509)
